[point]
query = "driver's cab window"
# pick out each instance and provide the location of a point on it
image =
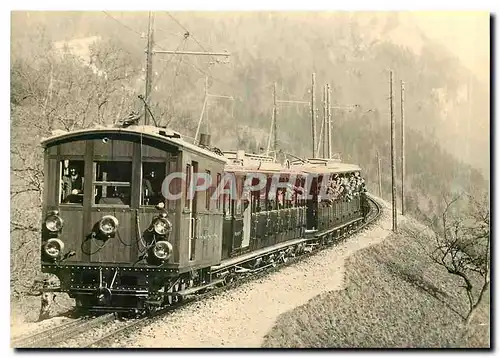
(153, 175)
(112, 182)
(71, 181)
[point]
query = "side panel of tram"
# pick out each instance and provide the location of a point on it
(333, 213)
(201, 216)
(268, 218)
(262, 219)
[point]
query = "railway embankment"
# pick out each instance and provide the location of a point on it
(394, 296)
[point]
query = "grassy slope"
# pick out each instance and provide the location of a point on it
(395, 296)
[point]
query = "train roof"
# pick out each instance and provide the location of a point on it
(322, 165)
(266, 168)
(159, 134)
(241, 162)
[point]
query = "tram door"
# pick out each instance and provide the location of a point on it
(241, 218)
(191, 206)
(237, 224)
(227, 227)
(312, 205)
(247, 223)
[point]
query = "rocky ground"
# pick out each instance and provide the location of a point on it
(25, 313)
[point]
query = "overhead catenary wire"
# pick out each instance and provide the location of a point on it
(121, 23)
(186, 35)
(152, 50)
(176, 73)
(209, 75)
(183, 41)
(169, 32)
(188, 32)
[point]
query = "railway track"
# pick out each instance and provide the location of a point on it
(55, 336)
(135, 325)
(374, 213)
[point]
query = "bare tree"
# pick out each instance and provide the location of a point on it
(53, 89)
(462, 246)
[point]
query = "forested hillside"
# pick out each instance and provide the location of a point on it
(72, 70)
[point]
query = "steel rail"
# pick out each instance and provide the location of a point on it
(54, 335)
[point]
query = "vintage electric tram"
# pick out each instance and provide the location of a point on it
(116, 243)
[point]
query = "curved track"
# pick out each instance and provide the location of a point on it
(375, 212)
(134, 325)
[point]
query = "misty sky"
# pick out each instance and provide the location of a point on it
(467, 34)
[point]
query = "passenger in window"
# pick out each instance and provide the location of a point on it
(281, 199)
(146, 184)
(73, 187)
(149, 194)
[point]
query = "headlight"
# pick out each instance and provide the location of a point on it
(162, 250)
(54, 247)
(54, 223)
(108, 224)
(162, 226)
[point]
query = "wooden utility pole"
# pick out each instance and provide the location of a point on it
(322, 131)
(149, 68)
(325, 121)
(150, 51)
(329, 119)
(202, 109)
(273, 129)
(205, 107)
(275, 124)
(313, 115)
(379, 175)
(393, 160)
(270, 134)
(402, 148)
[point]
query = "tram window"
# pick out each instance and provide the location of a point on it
(255, 201)
(271, 200)
(227, 205)
(208, 192)
(153, 175)
(71, 181)
(238, 208)
(112, 182)
(218, 191)
(292, 196)
(281, 199)
(188, 184)
(264, 206)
